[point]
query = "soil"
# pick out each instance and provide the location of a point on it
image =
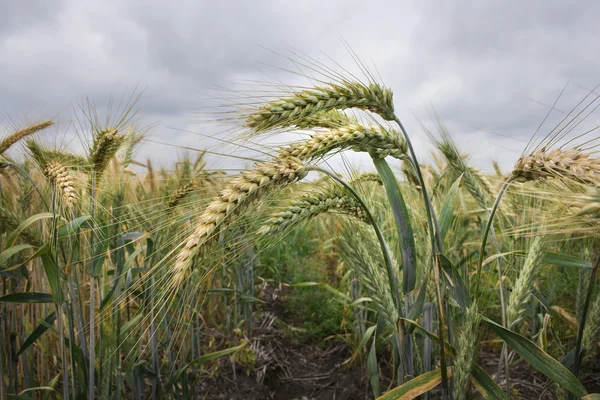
(289, 369)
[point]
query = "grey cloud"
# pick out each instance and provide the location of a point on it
(478, 64)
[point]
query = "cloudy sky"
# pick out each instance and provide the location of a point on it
(489, 69)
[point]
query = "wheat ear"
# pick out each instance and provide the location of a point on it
(522, 289)
(570, 164)
(591, 331)
(240, 192)
(292, 110)
(466, 354)
(373, 139)
(105, 145)
(13, 138)
(309, 206)
(59, 175)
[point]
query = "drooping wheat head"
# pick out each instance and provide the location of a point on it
(181, 194)
(13, 138)
(373, 139)
(54, 167)
(239, 193)
(572, 164)
(310, 205)
(292, 110)
(61, 178)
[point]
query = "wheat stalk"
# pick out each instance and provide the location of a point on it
(8, 141)
(570, 164)
(240, 192)
(303, 104)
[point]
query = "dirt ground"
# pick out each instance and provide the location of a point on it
(288, 369)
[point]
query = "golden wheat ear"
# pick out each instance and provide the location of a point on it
(241, 191)
(13, 138)
(571, 164)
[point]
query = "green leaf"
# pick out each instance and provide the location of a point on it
(539, 359)
(217, 354)
(372, 369)
(130, 324)
(500, 255)
(368, 333)
(448, 207)
(72, 227)
(451, 278)
(403, 225)
(563, 260)
(594, 396)
(417, 308)
(27, 297)
(37, 332)
(416, 386)
(44, 388)
(12, 239)
(8, 253)
(486, 385)
(52, 276)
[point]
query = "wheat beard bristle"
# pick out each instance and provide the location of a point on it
(289, 111)
(241, 191)
(569, 164)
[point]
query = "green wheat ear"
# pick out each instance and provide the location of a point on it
(106, 144)
(467, 350)
(300, 108)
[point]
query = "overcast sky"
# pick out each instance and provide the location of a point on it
(490, 69)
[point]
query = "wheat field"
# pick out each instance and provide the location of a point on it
(121, 279)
